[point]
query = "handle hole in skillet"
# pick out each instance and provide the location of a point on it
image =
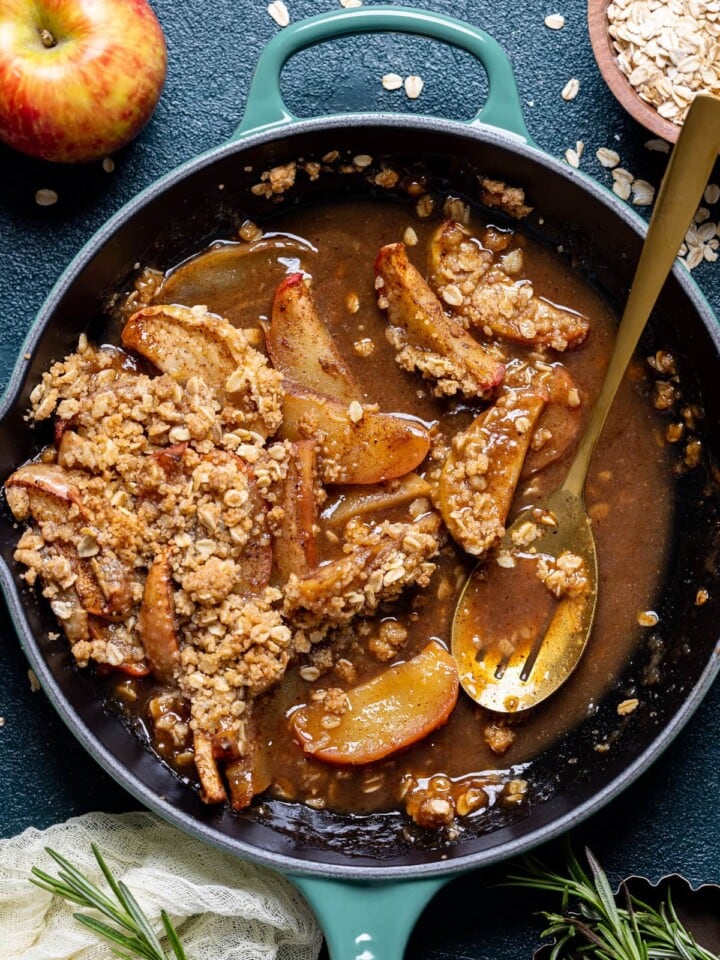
(344, 76)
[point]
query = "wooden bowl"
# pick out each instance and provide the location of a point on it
(619, 84)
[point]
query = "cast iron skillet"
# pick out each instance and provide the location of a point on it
(335, 860)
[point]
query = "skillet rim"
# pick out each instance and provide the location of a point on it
(550, 826)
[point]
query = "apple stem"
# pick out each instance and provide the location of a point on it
(48, 40)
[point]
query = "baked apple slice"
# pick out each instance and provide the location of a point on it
(185, 343)
(248, 775)
(488, 299)
(392, 711)
(479, 476)
(295, 540)
(156, 620)
(115, 648)
(356, 444)
(212, 788)
(377, 564)
(436, 345)
(301, 346)
(236, 280)
(47, 493)
(362, 500)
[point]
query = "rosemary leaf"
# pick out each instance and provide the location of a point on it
(172, 937)
(93, 896)
(593, 924)
(142, 922)
(112, 882)
(46, 882)
(114, 936)
(129, 934)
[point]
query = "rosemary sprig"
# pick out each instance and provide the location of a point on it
(128, 929)
(592, 925)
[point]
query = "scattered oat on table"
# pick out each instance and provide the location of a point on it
(607, 157)
(657, 145)
(45, 197)
(573, 155)
(279, 12)
(34, 682)
(349, 4)
(622, 183)
(621, 188)
(108, 164)
(570, 90)
(702, 239)
(667, 50)
(414, 86)
(555, 21)
(643, 193)
(392, 81)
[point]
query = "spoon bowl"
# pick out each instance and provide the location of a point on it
(512, 653)
(510, 677)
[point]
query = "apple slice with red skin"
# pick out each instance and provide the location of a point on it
(295, 540)
(48, 494)
(49, 490)
(377, 447)
(156, 620)
(184, 344)
(102, 584)
(107, 632)
(392, 711)
(80, 79)
(301, 346)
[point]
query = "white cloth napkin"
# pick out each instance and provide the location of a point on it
(222, 907)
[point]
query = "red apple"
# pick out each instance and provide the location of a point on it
(78, 78)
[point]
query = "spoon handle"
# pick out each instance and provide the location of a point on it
(682, 187)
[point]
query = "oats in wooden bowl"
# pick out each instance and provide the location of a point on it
(655, 55)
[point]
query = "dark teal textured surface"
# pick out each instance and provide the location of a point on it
(668, 821)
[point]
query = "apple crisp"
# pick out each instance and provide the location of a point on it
(256, 533)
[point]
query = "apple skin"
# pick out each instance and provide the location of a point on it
(89, 92)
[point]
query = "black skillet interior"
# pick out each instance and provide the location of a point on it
(571, 779)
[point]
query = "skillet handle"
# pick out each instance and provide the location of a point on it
(367, 921)
(266, 108)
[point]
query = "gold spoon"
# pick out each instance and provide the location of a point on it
(509, 675)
